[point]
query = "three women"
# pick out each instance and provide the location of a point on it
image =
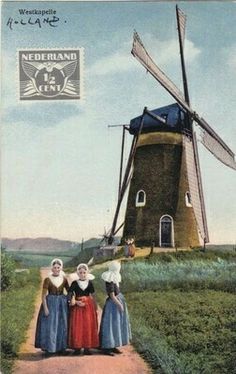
(53, 334)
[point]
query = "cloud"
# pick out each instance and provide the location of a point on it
(166, 52)
(163, 52)
(41, 114)
(9, 78)
(119, 61)
(231, 57)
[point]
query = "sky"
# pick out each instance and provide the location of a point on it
(60, 159)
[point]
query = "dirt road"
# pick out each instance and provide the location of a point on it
(33, 361)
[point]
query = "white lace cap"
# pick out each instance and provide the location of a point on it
(113, 274)
(89, 275)
(58, 260)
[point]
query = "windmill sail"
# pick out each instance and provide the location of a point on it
(215, 144)
(190, 144)
(140, 53)
(214, 147)
(195, 185)
(181, 22)
(211, 140)
(181, 19)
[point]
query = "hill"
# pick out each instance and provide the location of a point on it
(38, 244)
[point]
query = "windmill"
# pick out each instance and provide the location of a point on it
(104, 236)
(165, 203)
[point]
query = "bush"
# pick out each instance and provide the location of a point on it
(7, 271)
(16, 313)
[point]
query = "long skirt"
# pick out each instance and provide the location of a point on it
(51, 330)
(126, 250)
(131, 250)
(115, 327)
(83, 325)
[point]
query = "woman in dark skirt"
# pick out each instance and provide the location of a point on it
(51, 329)
(83, 325)
(115, 327)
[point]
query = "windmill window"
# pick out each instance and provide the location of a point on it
(188, 200)
(140, 198)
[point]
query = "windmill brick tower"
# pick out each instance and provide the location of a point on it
(159, 208)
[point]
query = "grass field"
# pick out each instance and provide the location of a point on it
(32, 259)
(185, 331)
(182, 312)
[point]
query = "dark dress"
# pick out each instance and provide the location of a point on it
(51, 330)
(83, 325)
(115, 327)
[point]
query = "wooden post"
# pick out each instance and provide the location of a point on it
(152, 248)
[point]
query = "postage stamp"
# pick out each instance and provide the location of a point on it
(50, 74)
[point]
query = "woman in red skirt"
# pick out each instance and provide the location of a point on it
(83, 326)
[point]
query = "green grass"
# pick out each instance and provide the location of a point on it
(185, 275)
(187, 329)
(17, 307)
(212, 254)
(33, 259)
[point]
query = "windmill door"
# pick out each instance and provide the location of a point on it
(166, 229)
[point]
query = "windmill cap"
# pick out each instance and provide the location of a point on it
(173, 115)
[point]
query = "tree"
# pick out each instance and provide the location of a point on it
(7, 271)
